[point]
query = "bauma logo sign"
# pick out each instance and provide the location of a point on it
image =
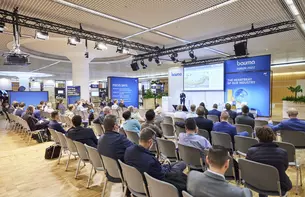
(245, 63)
(175, 74)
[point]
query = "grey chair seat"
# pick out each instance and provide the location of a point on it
(137, 194)
(268, 193)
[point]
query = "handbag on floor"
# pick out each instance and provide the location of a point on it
(52, 152)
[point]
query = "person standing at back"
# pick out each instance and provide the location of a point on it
(244, 118)
(212, 183)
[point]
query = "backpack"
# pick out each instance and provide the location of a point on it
(52, 152)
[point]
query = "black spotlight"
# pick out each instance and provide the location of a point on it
(241, 48)
(134, 66)
(150, 59)
(157, 61)
(144, 66)
(192, 55)
(119, 50)
(174, 56)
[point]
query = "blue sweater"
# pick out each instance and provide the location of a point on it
(292, 124)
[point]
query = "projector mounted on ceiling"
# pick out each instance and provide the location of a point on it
(16, 59)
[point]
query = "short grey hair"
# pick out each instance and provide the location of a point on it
(292, 112)
(106, 110)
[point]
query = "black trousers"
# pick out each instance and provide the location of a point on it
(182, 101)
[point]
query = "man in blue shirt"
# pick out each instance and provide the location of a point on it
(130, 124)
(292, 124)
(20, 110)
(113, 144)
(37, 112)
(54, 124)
(214, 111)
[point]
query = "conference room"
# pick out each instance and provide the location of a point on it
(152, 98)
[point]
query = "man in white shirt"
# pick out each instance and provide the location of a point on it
(192, 113)
(115, 105)
(179, 113)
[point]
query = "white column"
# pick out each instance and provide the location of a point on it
(24, 81)
(80, 73)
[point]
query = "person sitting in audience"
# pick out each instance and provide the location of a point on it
(54, 124)
(115, 105)
(69, 112)
(100, 119)
(244, 118)
(20, 110)
(49, 108)
(249, 114)
(135, 114)
(60, 106)
(212, 183)
(43, 104)
(292, 124)
(121, 104)
(269, 153)
(179, 113)
(13, 107)
(16, 106)
(143, 160)
(226, 127)
(192, 114)
(232, 114)
(37, 112)
(109, 103)
(130, 124)
(191, 138)
(113, 144)
(81, 134)
(150, 117)
(206, 112)
(214, 111)
(201, 122)
(158, 118)
(80, 106)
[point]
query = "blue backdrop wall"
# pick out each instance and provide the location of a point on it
(30, 98)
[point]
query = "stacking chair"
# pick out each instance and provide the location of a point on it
(157, 188)
(112, 173)
(260, 123)
(168, 120)
(267, 182)
(168, 131)
(95, 160)
(28, 130)
(83, 155)
(243, 127)
(167, 148)
(179, 130)
(222, 139)
(290, 149)
(242, 144)
(55, 138)
(214, 118)
(179, 120)
(133, 136)
(204, 133)
(63, 144)
(98, 129)
(231, 121)
(191, 156)
(185, 194)
(68, 121)
(297, 138)
(72, 150)
(133, 180)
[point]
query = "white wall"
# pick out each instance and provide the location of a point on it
(301, 82)
(5, 84)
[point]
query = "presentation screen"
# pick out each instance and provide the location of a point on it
(203, 78)
(252, 89)
(124, 88)
(29, 98)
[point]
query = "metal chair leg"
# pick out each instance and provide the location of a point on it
(60, 154)
(77, 169)
(68, 162)
(104, 188)
(89, 179)
(125, 191)
(297, 188)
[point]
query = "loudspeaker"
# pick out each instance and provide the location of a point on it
(241, 49)
(134, 66)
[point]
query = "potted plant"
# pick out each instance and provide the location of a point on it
(295, 101)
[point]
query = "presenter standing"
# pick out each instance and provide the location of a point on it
(182, 98)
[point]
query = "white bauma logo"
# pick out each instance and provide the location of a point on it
(245, 63)
(176, 74)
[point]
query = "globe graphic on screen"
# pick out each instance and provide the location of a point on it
(240, 95)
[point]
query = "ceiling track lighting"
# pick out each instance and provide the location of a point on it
(74, 41)
(2, 26)
(174, 56)
(134, 66)
(192, 55)
(100, 46)
(144, 66)
(42, 35)
(157, 60)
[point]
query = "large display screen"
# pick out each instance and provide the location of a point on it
(204, 78)
(29, 98)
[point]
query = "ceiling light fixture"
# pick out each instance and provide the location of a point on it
(157, 60)
(174, 56)
(287, 64)
(41, 35)
(144, 66)
(192, 55)
(134, 65)
(74, 41)
(2, 26)
(100, 46)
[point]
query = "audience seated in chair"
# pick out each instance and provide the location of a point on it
(212, 183)
(245, 118)
(115, 105)
(214, 111)
(81, 134)
(143, 160)
(192, 113)
(206, 112)
(232, 114)
(13, 108)
(121, 104)
(201, 122)
(292, 124)
(113, 144)
(130, 124)
(159, 117)
(37, 112)
(269, 153)
(49, 108)
(20, 110)
(69, 112)
(135, 114)
(150, 117)
(179, 113)
(54, 124)
(102, 115)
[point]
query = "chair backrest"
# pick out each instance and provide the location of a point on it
(62, 118)
(222, 139)
(94, 156)
(231, 121)
(133, 178)
(159, 188)
(190, 155)
(185, 194)
(168, 130)
(214, 118)
(204, 133)
(242, 144)
(168, 120)
(111, 167)
(62, 139)
(71, 146)
(231, 171)
(54, 136)
(260, 123)
(82, 151)
(179, 130)
(243, 127)
(179, 120)
(268, 179)
(98, 129)
(68, 121)
(297, 138)
(133, 136)
(167, 148)
(290, 149)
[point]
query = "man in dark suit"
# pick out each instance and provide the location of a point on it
(81, 134)
(232, 114)
(54, 124)
(214, 111)
(20, 111)
(249, 114)
(244, 118)
(201, 122)
(182, 98)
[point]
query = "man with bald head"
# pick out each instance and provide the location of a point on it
(292, 124)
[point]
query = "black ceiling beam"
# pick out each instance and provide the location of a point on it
(48, 26)
(210, 60)
(234, 37)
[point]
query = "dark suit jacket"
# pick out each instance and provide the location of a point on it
(244, 119)
(37, 114)
(232, 114)
(203, 123)
(214, 112)
(249, 114)
(33, 122)
(83, 135)
(53, 124)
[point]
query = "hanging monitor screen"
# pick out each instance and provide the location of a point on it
(204, 78)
